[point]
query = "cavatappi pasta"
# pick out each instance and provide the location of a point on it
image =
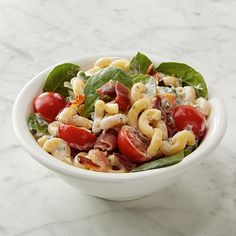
(137, 114)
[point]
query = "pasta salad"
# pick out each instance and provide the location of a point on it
(121, 115)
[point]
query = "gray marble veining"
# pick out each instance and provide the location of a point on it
(36, 34)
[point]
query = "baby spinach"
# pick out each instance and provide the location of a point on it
(57, 77)
(149, 82)
(37, 126)
(187, 74)
(99, 79)
(140, 78)
(139, 64)
(190, 149)
(162, 162)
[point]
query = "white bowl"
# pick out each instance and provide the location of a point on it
(113, 186)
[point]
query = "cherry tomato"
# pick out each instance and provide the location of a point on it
(188, 117)
(79, 138)
(49, 104)
(132, 145)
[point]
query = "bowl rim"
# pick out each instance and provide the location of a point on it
(56, 165)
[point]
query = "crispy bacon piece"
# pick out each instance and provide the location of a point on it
(107, 91)
(124, 161)
(122, 96)
(100, 159)
(88, 163)
(150, 71)
(115, 91)
(107, 140)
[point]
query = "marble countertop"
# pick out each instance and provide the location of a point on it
(36, 34)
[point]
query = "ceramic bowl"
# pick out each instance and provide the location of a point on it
(113, 186)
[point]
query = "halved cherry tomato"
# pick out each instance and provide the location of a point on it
(79, 138)
(132, 145)
(188, 117)
(49, 104)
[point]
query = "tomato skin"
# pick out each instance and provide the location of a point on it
(49, 104)
(131, 146)
(79, 138)
(186, 117)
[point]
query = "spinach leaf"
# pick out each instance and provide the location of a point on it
(187, 74)
(149, 82)
(140, 78)
(37, 126)
(190, 149)
(162, 162)
(99, 79)
(57, 77)
(139, 64)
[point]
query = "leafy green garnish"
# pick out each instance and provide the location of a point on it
(139, 64)
(187, 74)
(81, 75)
(162, 162)
(37, 126)
(57, 77)
(149, 82)
(99, 79)
(190, 149)
(140, 78)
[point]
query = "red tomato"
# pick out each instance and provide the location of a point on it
(49, 104)
(188, 117)
(79, 138)
(132, 145)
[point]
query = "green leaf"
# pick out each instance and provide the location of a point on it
(140, 78)
(162, 162)
(149, 82)
(99, 79)
(187, 74)
(139, 64)
(37, 126)
(190, 149)
(57, 77)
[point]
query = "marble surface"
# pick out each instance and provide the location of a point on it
(36, 34)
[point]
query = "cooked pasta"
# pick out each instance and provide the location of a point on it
(122, 114)
(135, 110)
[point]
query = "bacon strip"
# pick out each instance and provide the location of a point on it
(88, 163)
(100, 159)
(107, 140)
(115, 91)
(150, 71)
(107, 91)
(124, 161)
(122, 96)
